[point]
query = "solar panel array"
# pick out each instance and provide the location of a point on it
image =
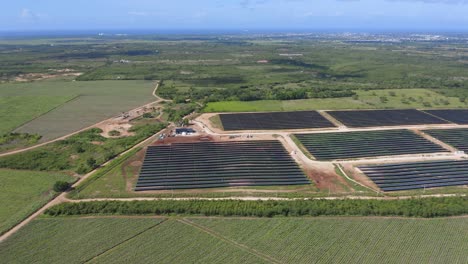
(218, 164)
(407, 176)
(457, 116)
(349, 145)
(371, 118)
(274, 120)
(457, 138)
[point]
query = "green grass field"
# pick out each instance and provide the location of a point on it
(56, 108)
(17, 110)
(23, 192)
(237, 240)
(71, 240)
(350, 240)
(396, 98)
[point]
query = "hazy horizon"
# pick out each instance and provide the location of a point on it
(254, 15)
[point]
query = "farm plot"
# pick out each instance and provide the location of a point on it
(457, 116)
(371, 118)
(55, 108)
(350, 145)
(23, 192)
(457, 138)
(218, 164)
(239, 240)
(71, 240)
(349, 240)
(275, 120)
(419, 175)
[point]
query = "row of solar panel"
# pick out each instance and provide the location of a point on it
(407, 176)
(349, 145)
(218, 164)
(356, 118)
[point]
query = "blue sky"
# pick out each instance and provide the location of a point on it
(432, 15)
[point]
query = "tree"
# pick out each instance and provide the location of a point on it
(61, 186)
(91, 162)
(147, 115)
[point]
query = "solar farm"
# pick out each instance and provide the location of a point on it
(457, 116)
(419, 175)
(375, 118)
(275, 120)
(457, 138)
(218, 164)
(350, 145)
(235, 159)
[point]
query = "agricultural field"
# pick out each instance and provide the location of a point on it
(351, 145)
(418, 175)
(239, 240)
(23, 192)
(457, 116)
(457, 138)
(374, 118)
(55, 108)
(370, 99)
(276, 120)
(71, 240)
(18, 110)
(218, 164)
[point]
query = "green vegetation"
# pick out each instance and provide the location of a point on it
(61, 186)
(422, 207)
(114, 133)
(403, 98)
(71, 240)
(99, 183)
(175, 112)
(23, 192)
(348, 240)
(17, 140)
(80, 153)
(55, 108)
(176, 242)
(239, 240)
(18, 108)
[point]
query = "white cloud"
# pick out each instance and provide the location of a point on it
(28, 15)
(138, 13)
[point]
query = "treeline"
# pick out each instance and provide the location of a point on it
(416, 207)
(249, 93)
(175, 113)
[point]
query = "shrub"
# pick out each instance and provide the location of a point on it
(61, 186)
(114, 133)
(147, 115)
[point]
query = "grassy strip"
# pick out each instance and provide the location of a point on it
(103, 171)
(417, 207)
(302, 147)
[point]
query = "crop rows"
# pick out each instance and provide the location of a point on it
(457, 116)
(348, 240)
(457, 138)
(349, 145)
(275, 120)
(372, 118)
(407, 176)
(218, 164)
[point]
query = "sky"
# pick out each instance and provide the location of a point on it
(385, 15)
